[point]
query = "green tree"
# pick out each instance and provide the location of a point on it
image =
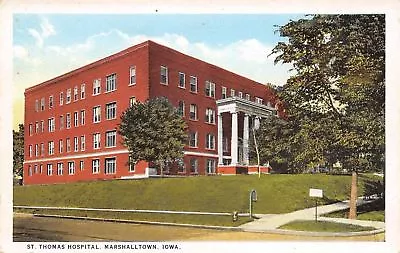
(153, 132)
(335, 100)
(18, 150)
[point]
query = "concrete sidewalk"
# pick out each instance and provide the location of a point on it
(271, 222)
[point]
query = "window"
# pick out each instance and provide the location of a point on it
(181, 108)
(194, 165)
(76, 93)
(210, 141)
(82, 117)
(42, 104)
(71, 168)
(76, 119)
(132, 101)
(60, 146)
(181, 80)
(36, 150)
(30, 150)
(83, 91)
(193, 84)
(51, 124)
(68, 141)
(61, 122)
(164, 75)
(36, 127)
(181, 165)
(51, 147)
(76, 144)
(61, 98)
(210, 89)
(36, 105)
(82, 143)
(81, 165)
(131, 164)
(49, 169)
(97, 86)
(68, 99)
(42, 149)
(193, 112)
(259, 100)
(111, 110)
(41, 169)
(132, 75)
(96, 114)
(68, 121)
(210, 166)
(96, 141)
(193, 139)
(95, 166)
(30, 129)
(111, 82)
(233, 93)
(210, 116)
(60, 169)
(51, 102)
(223, 92)
(30, 170)
(42, 126)
(110, 166)
(111, 138)
(36, 169)
(247, 96)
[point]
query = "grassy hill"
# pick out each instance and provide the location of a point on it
(276, 193)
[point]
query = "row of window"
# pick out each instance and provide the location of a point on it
(209, 88)
(110, 85)
(209, 141)
(79, 144)
(78, 118)
(109, 167)
(193, 112)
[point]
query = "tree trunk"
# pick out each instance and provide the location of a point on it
(353, 196)
(161, 168)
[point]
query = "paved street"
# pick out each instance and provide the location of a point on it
(28, 228)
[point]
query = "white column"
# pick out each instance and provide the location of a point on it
(234, 139)
(220, 140)
(246, 140)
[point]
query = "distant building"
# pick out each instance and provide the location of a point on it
(71, 121)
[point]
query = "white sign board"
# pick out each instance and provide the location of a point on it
(316, 193)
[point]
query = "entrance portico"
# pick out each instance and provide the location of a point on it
(243, 116)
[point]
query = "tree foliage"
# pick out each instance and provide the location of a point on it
(335, 101)
(153, 132)
(18, 150)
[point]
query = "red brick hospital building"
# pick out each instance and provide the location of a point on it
(71, 121)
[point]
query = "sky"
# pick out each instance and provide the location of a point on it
(48, 45)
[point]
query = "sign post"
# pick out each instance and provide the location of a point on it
(316, 193)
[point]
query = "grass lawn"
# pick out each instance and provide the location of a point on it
(324, 226)
(276, 194)
(372, 211)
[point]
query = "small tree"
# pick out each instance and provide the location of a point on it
(153, 132)
(18, 150)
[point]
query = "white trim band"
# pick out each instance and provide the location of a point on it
(115, 152)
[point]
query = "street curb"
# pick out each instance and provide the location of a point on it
(317, 234)
(271, 231)
(138, 222)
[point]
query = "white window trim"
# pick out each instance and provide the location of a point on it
(130, 75)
